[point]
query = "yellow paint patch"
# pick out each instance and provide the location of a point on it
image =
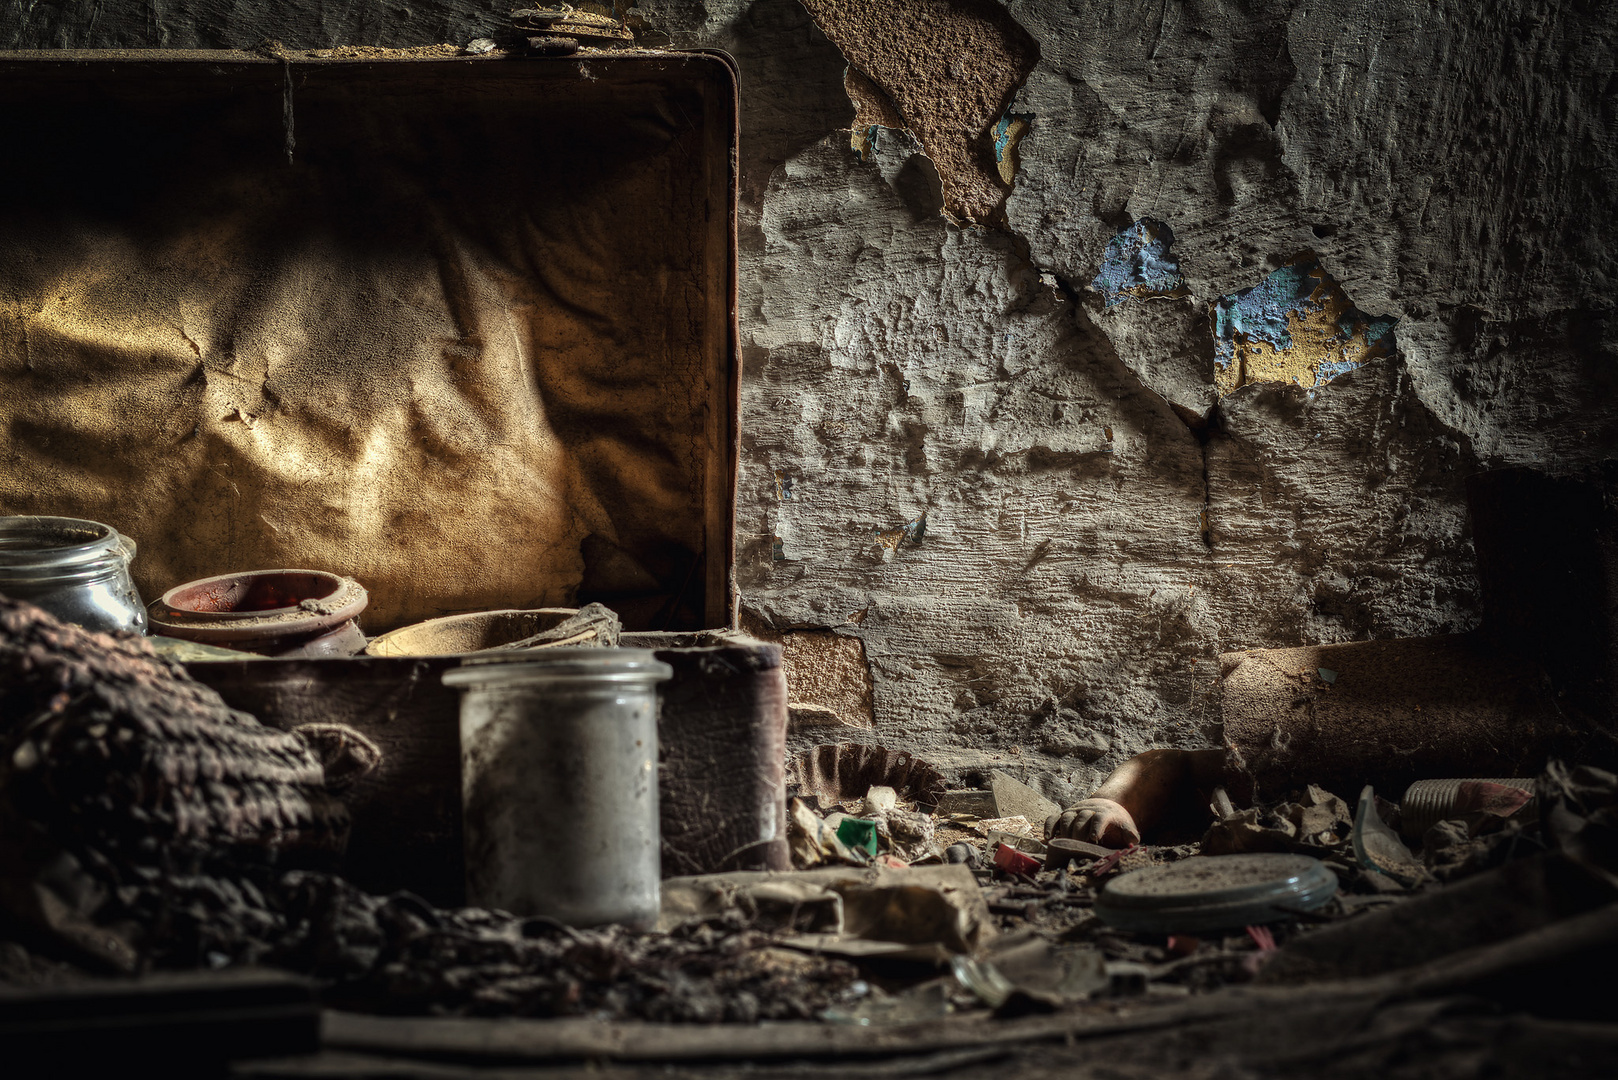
(1317, 340)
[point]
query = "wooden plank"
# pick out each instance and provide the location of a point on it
(515, 1040)
(189, 1022)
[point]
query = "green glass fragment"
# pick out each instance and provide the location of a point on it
(858, 833)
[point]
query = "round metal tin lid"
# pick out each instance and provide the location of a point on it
(548, 665)
(1216, 892)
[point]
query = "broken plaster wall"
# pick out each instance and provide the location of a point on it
(1037, 510)
(1031, 507)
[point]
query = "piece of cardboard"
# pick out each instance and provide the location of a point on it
(1014, 798)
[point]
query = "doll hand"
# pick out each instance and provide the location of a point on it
(1099, 821)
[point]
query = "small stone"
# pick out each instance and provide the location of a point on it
(802, 716)
(880, 799)
(975, 801)
(961, 853)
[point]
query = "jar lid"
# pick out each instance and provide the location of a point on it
(34, 548)
(1216, 892)
(571, 665)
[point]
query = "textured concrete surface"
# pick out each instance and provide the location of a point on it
(1042, 515)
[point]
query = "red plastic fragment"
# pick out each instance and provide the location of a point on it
(1013, 861)
(1107, 865)
(1498, 800)
(1182, 944)
(1262, 938)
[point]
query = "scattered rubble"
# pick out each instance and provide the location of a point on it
(911, 902)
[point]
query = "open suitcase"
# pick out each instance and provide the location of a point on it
(462, 328)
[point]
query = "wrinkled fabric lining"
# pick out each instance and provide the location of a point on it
(455, 350)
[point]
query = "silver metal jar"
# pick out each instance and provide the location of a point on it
(559, 783)
(75, 569)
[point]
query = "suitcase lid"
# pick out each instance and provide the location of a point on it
(462, 328)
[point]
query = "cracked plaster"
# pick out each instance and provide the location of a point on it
(1099, 524)
(1101, 574)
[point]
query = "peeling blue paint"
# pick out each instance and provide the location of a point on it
(910, 534)
(1138, 263)
(1002, 132)
(865, 143)
(1290, 296)
(1375, 327)
(1260, 313)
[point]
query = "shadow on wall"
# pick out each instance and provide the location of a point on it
(1537, 679)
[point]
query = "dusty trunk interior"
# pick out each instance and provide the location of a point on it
(450, 331)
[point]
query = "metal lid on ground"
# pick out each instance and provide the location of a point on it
(1216, 893)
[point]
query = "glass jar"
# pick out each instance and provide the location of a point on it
(75, 569)
(559, 783)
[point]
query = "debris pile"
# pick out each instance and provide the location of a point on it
(149, 827)
(117, 769)
(401, 955)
